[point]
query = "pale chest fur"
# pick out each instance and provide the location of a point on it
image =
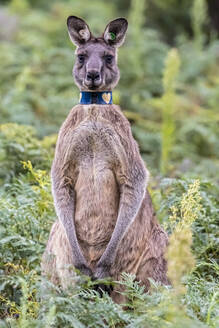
(98, 150)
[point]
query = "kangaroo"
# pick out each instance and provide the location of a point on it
(106, 223)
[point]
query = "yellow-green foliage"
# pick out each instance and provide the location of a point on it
(168, 106)
(19, 143)
(42, 179)
(19, 6)
(199, 17)
(137, 14)
(179, 256)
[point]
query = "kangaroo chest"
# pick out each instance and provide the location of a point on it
(98, 153)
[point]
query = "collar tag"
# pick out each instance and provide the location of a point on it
(100, 98)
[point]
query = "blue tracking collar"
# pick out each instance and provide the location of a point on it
(100, 97)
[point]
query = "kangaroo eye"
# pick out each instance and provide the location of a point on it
(109, 59)
(81, 59)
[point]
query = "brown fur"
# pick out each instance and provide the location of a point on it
(142, 248)
(106, 224)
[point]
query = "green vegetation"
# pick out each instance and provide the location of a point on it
(169, 90)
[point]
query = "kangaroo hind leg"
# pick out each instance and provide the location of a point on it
(57, 263)
(154, 265)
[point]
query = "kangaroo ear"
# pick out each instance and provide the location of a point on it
(115, 31)
(78, 30)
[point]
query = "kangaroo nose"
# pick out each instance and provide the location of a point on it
(93, 76)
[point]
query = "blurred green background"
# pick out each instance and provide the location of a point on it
(37, 88)
(169, 91)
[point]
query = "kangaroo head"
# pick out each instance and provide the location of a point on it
(96, 63)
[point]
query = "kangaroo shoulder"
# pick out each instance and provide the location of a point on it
(115, 115)
(123, 128)
(73, 119)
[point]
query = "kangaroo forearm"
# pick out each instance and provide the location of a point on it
(69, 227)
(65, 211)
(132, 194)
(127, 213)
